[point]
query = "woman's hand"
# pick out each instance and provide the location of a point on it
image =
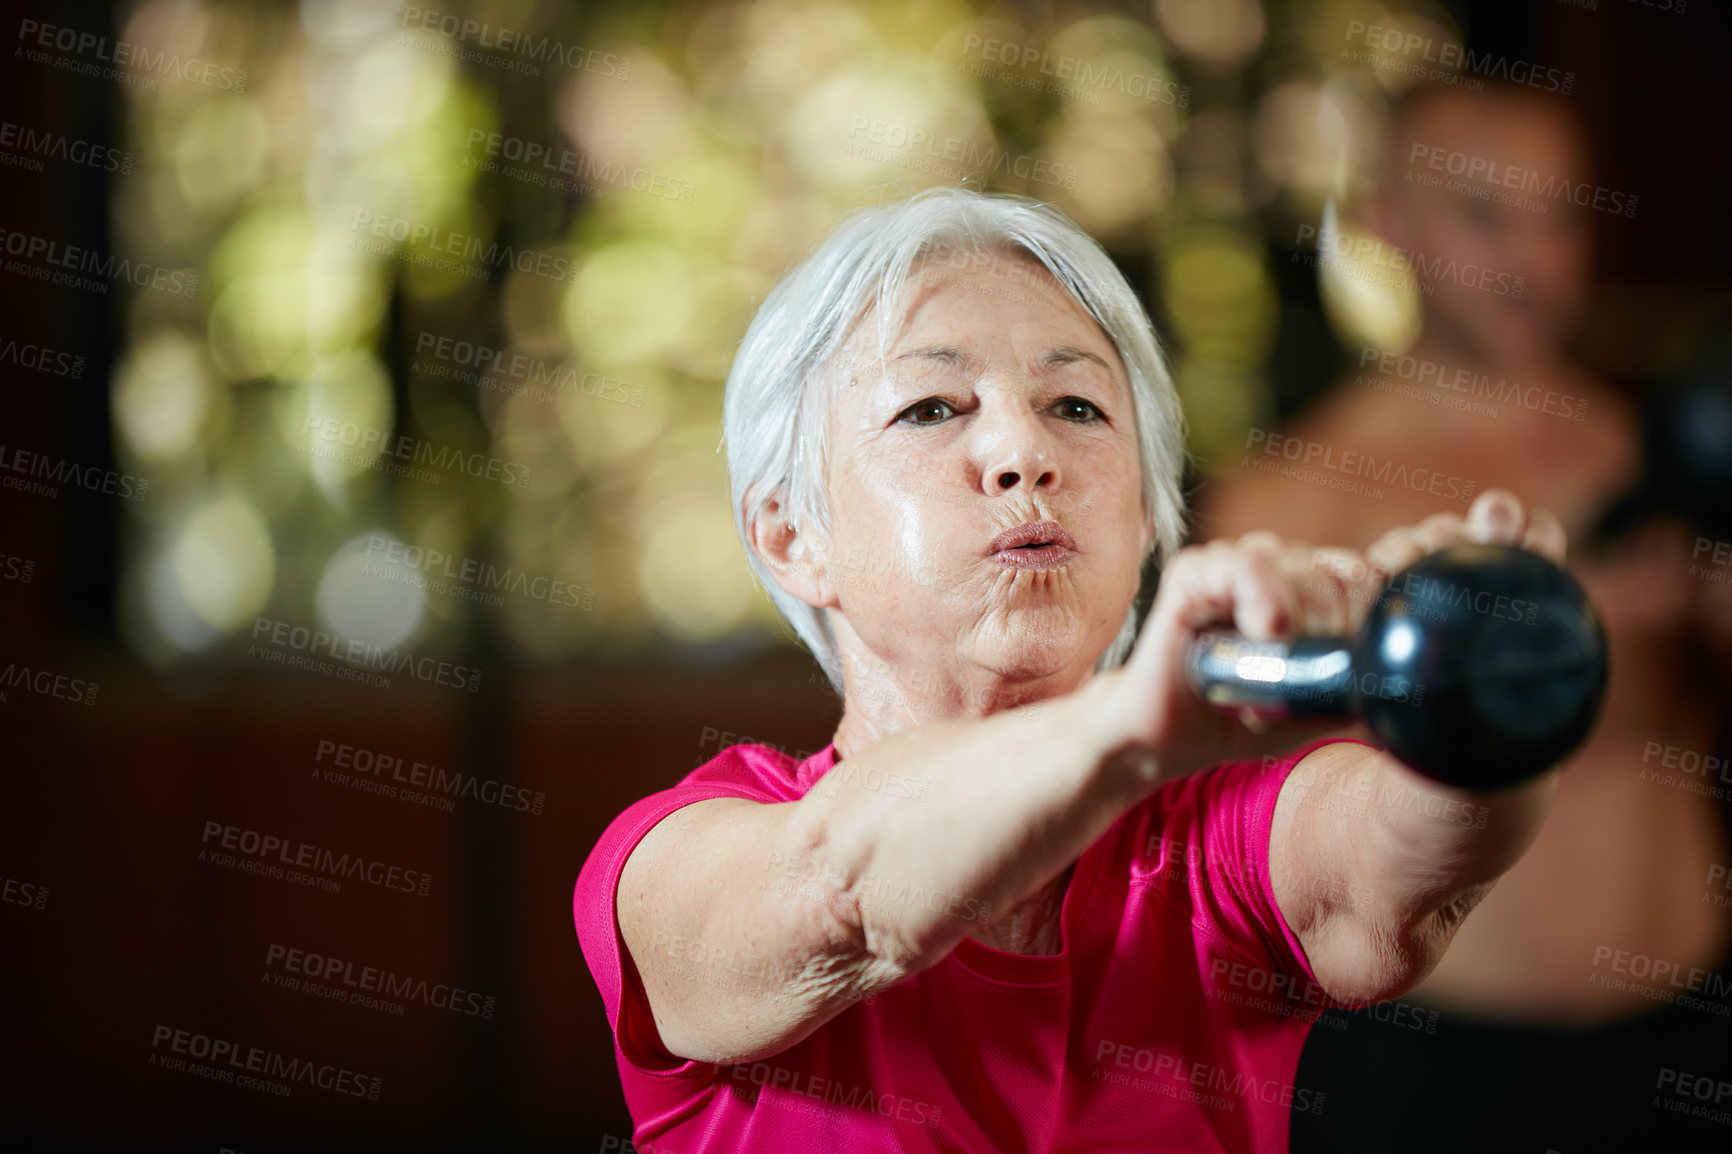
(1270, 589)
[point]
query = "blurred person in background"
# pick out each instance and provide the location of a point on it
(1595, 975)
(1021, 899)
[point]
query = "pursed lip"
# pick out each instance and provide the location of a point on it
(1034, 545)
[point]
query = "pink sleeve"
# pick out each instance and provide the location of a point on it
(1235, 808)
(596, 916)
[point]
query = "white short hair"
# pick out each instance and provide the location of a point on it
(773, 419)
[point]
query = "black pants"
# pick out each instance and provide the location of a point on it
(1660, 1082)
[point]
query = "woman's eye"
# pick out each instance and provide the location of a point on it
(928, 412)
(1077, 409)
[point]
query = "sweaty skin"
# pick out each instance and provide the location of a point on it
(1025, 399)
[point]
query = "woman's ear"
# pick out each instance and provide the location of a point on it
(793, 558)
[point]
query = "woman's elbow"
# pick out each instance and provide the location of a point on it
(1383, 955)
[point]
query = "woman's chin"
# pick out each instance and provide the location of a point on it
(1024, 645)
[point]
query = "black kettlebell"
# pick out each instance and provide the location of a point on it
(1480, 666)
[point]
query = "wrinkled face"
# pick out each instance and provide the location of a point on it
(1469, 184)
(984, 489)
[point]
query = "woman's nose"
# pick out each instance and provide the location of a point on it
(1014, 451)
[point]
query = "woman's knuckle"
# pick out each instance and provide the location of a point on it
(1259, 540)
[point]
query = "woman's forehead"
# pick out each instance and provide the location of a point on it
(950, 294)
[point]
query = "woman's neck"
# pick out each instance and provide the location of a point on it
(881, 699)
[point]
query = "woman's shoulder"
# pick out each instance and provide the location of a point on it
(763, 772)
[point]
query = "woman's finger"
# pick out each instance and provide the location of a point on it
(1397, 549)
(1546, 536)
(1496, 518)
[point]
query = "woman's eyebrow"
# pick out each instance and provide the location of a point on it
(947, 353)
(1070, 354)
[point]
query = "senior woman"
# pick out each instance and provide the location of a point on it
(1034, 895)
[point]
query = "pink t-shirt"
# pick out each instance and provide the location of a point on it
(1172, 1018)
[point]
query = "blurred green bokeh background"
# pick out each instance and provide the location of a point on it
(532, 233)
